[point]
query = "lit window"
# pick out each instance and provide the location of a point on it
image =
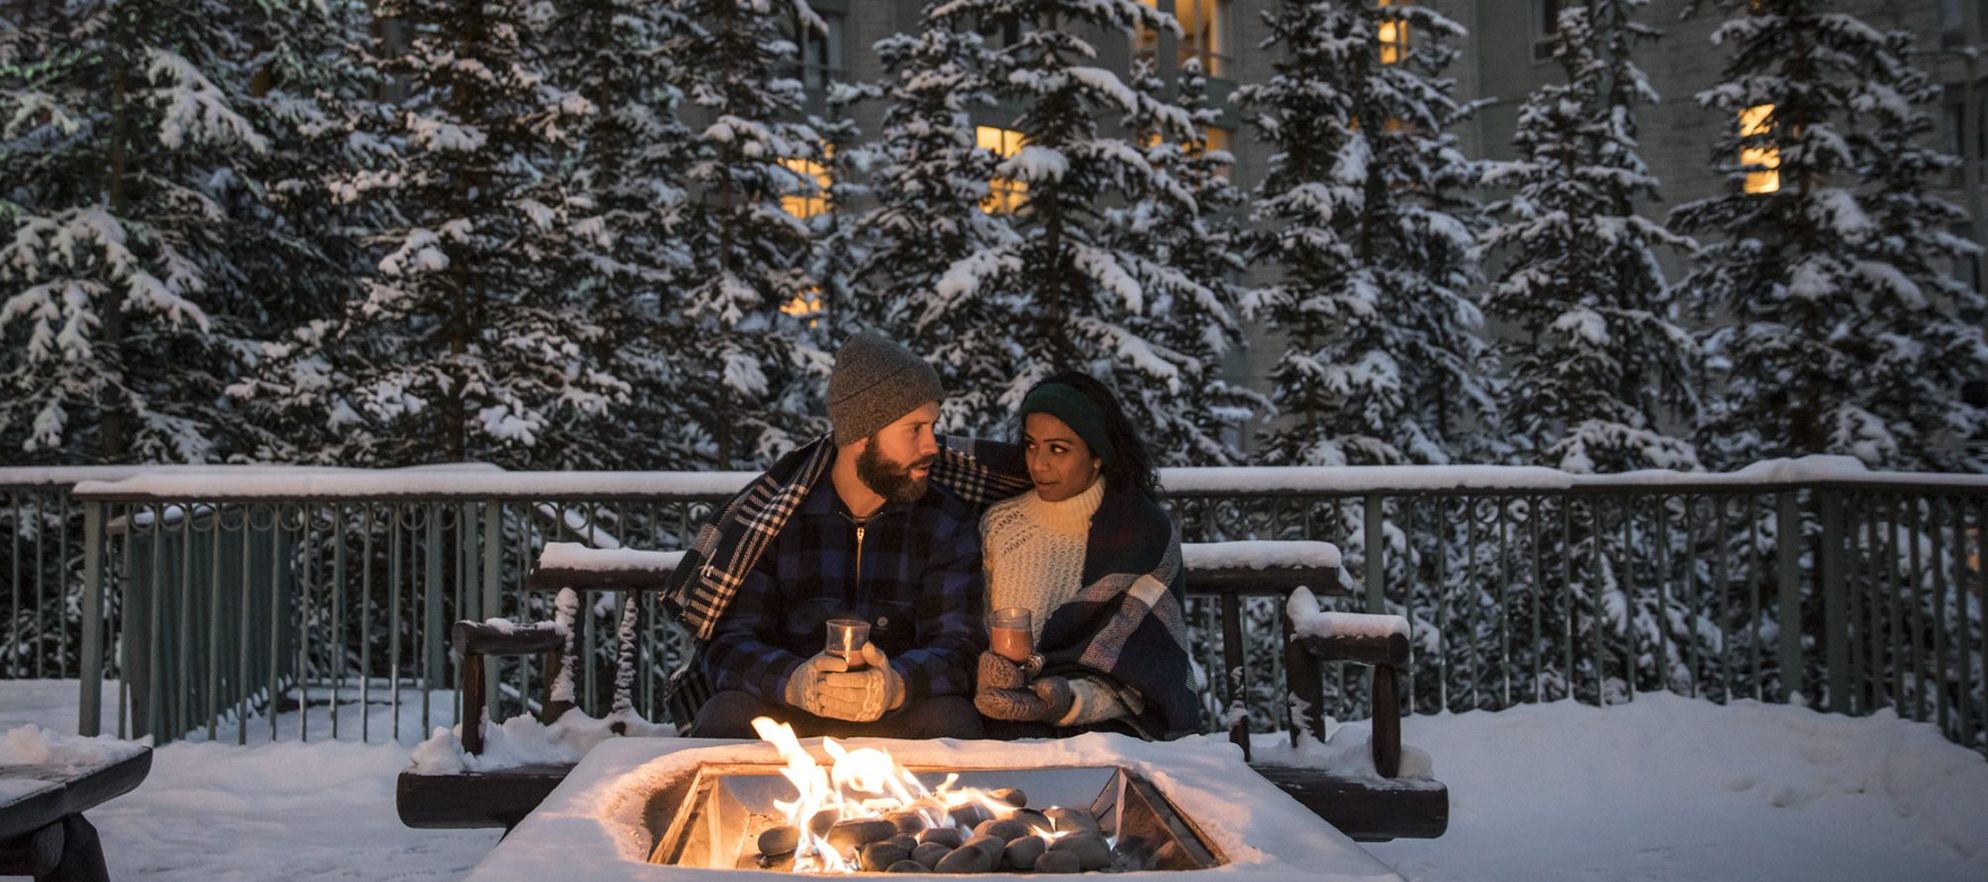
(1393, 124)
(1392, 36)
(1003, 195)
(812, 197)
(1204, 33)
(1763, 160)
(805, 305)
(1214, 140)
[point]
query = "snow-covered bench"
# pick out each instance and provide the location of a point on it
(453, 785)
(47, 782)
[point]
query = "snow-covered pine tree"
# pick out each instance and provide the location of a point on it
(302, 259)
(1364, 217)
(1830, 327)
(125, 136)
(752, 378)
(839, 247)
(468, 342)
(624, 179)
(1598, 362)
(1188, 232)
(1068, 297)
(929, 187)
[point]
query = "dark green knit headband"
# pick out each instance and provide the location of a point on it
(1076, 410)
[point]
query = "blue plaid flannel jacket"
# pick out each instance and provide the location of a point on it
(920, 587)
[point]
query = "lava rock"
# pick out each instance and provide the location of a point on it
(908, 867)
(1090, 849)
(1022, 853)
(1071, 820)
(950, 837)
(779, 840)
(1006, 831)
(1032, 819)
(930, 853)
(969, 816)
(993, 845)
(1059, 862)
(907, 822)
(846, 835)
(823, 820)
(879, 856)
(966, 860)
(1012, 796)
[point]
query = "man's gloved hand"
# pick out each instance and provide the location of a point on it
(864, 695)
(804, 687)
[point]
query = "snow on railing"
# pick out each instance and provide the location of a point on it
(221, 483)
(485, 481)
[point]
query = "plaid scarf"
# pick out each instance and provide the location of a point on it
(727, 548)
(1126, 626)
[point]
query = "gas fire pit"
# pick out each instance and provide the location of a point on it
(666, 808)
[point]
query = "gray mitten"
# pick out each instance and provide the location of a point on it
(998, 673)
(1056, 696)
(1020, 705)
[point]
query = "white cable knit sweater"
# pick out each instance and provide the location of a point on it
(1033, 552)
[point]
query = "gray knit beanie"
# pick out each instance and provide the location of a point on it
(876, 381)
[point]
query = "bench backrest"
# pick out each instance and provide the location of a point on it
(1225, 572)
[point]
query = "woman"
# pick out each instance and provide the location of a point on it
(1097, 562)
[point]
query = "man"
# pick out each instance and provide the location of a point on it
(855, 525)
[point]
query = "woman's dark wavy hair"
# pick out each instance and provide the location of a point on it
(1133, 466)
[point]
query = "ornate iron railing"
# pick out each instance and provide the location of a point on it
(217, 596)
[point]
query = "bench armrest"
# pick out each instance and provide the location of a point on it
(482, 638)
(1386, 655)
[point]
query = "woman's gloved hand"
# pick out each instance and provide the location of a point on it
(1004, 693)
(996, 672)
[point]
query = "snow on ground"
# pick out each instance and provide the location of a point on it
(288, 810)
(1662, 788)
(1668, 787)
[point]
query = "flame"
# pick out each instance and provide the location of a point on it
(861, 783)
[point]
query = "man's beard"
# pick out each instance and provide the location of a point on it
(888, 479)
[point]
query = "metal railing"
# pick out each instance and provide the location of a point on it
(220, 597)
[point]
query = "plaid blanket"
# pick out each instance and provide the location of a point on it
(1126, 627)
(703, 585)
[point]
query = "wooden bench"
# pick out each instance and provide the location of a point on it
(1364, 808)
(42, 830)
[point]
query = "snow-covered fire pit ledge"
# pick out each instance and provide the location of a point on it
(592, 829)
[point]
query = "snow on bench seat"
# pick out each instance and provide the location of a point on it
(1308, 620)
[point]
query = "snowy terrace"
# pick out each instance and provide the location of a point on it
(1663, 787)
(286, 625)
(211, 594)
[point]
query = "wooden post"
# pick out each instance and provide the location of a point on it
(1232, 669)
(1386, 743)
(473, 700)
